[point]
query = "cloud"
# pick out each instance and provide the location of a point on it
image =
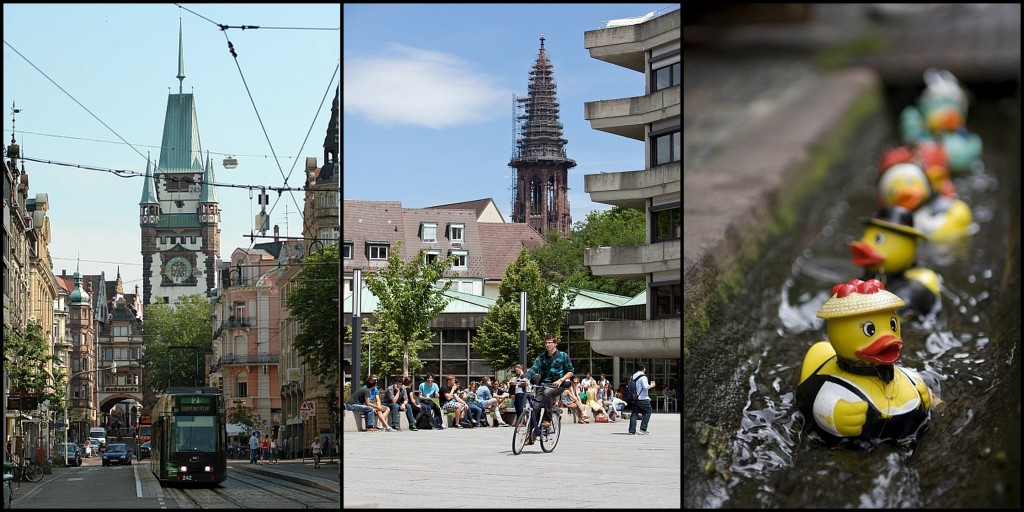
(421, 87)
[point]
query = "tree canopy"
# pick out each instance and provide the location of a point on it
(561, 259)
(314, 302)
(168, 330)
(409, 294)
(498, 338)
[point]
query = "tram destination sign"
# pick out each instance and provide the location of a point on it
(197, 404)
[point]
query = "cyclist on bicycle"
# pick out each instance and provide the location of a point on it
(551, 367)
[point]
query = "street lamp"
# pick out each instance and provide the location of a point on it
(67, 391)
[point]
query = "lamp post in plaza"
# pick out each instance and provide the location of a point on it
(67, 390)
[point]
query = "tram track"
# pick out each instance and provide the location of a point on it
(326, 498)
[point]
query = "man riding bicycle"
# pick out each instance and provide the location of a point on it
(551, 367)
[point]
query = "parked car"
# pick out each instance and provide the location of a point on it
(74, 454)
(145, 450)
(117, 453)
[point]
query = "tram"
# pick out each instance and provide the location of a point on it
(189, 436)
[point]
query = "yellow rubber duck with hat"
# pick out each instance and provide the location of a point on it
(850, 386)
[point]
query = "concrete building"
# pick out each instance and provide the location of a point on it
(650, 46)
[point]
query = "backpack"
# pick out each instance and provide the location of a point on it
(632, 394)
(465, 423)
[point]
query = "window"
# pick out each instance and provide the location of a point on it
(347, 251)
(431, 256)
(665, 77)
(329, 236)
(242, 389)
(457, 232)
(668, 301)
(461, 259)
(667, 147)
(428, 231)
(666, 224)
(378, 252)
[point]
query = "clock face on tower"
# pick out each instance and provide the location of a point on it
(178, 269)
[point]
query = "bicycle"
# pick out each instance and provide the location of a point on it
(548, 436)
(28, 471)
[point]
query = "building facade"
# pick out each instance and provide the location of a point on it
(540, 167)
(179, 214)
(651, 48)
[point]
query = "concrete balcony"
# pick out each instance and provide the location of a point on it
(627, 46)
(628, 116)
(633, 262)
(635, 338)
(631, 189)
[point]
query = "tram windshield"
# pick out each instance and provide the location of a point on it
(195, 433)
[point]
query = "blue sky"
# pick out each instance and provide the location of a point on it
(427, 98)
(120, 62)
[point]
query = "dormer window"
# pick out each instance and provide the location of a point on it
(431, 256)
(428, 232)
(461, 259)
(457, 233)
(378, 251)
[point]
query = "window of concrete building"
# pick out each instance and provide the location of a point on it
(668, 300)
(667, 76)
(431, 256)
(666, 147)
(347, 251)
(666, 224)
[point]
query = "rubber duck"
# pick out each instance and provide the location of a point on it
(930, 156)
(964, 150)
(941, 218)
(887, 252)
(850, 386)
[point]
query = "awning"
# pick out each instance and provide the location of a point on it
(236, 428)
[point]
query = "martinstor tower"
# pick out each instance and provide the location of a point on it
(540, 176)
(179, 213)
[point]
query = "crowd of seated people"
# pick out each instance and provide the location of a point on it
(480, 404)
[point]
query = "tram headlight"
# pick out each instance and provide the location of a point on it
(208, 469)
(183, 469)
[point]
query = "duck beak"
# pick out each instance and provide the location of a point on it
(864, 255)
(885, 350)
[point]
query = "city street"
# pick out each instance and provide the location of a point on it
(289, 484)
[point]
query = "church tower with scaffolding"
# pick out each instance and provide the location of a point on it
(540, 167)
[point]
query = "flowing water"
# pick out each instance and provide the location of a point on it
(745, 447)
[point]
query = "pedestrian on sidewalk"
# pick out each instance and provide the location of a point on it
(316, 453)
(642, 405)
(254, 445)
(266, 449)
(286, 454)
(273, 450)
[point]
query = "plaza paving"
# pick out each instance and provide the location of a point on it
(594, 465)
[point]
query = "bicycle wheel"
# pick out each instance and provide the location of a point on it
(549, 440)
(34, 473)
(521, 432)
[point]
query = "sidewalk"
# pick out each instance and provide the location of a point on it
(298, 471)
(594, 465)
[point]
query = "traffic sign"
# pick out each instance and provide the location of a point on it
(307, 405)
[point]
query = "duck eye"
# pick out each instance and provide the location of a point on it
(879, 238)
(868, 328)
(894, 324)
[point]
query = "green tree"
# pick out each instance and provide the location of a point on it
(241, 414)
(166, 328)
(409, 296)
(314, 302)
(498, 337)
(561, 259)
